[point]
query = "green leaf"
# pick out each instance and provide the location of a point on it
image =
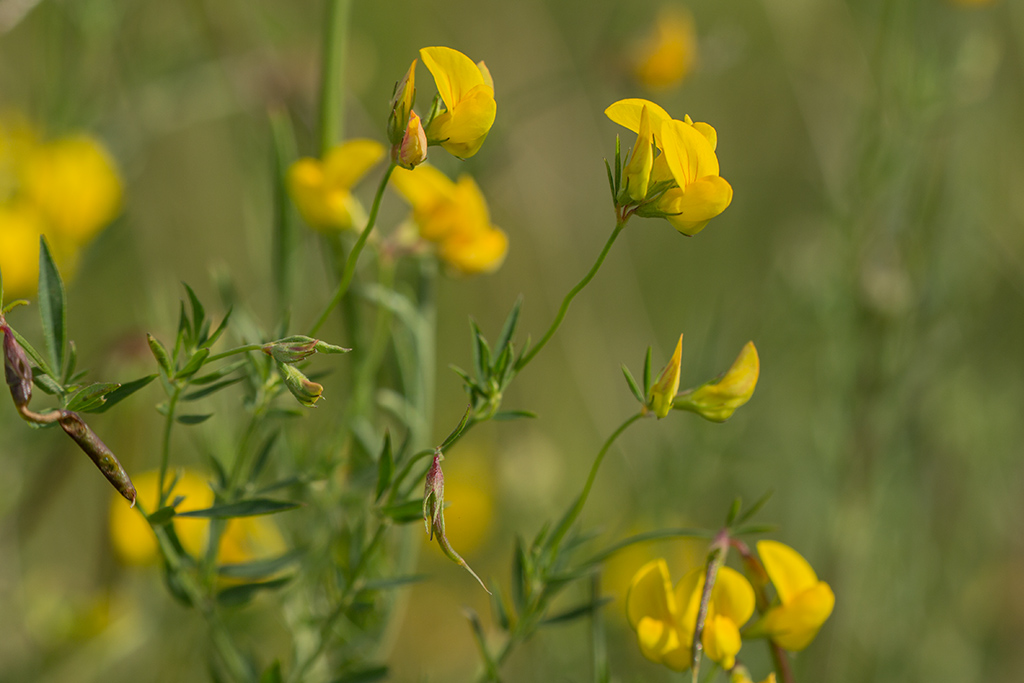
(364, 675)
(478, 345)
(263, 455)
(521, 573)
(193, 364)
(212, 389)
(385, 466)
(611, 180)
(184, 338)
(126, 390)
(509, 328)
(632, 385)
(69, 370)
(52, 308)
(34, 355)
(457, 432)
(90, 397)
(259, 569)
(579, 611)
(198, 312)
(193, 419)
(752, 529)
(734, 511)
(219, 331)
(755, 508)
(217, 374)
(47, 384)
(272, 674)
(394, 582)
(647, 372)
(481, 642)
(499, 609)
(506, 415)
(243, 508)
(161, 516)
(163, 359)
(239, 595)
(403, 513)
(618, 165)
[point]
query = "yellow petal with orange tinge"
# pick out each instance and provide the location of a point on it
(650, 593)
(626, 113)
(790, 573)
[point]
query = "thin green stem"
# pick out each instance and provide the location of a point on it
(353, 256)
(165, 447)
(234, 352)
(782, 668)
(574, 513)
(332, 73)
(525, 360)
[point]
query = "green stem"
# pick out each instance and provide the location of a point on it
(353, 256)
(234, 352)
(782, 668)
(524, 361)
(165, 447)
(332, 73)
(577, 507)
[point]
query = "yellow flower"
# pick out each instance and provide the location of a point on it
(322, 190)
(697, 193)
(467, 91)
(666, 55)
(636, 176)
(805, 602)
(665, 619)
(664, 390)
(401, 105)
(75, 186)
(20, 227)
(454, 216)
(244, 539)
(718, 400)
(740, 674)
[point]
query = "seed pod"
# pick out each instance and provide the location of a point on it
(98, 452)
(16, 369)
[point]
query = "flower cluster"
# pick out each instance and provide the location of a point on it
(666, 619)
(673, 171)
(67, 189)
(454, 216)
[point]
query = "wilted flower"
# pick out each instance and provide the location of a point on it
(804, 601)
(685, 186)
(718, 399)
(666, 55)
(665, 619)
(322, 190)
(455, 217)
(467, 91)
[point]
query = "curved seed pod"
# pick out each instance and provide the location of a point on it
(98, 452)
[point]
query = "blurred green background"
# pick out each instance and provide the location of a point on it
(874, 252)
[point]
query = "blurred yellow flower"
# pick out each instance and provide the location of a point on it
(697, 192)
(467, 91)
(718, 400)
(805, 602)
(454, 216)
(67, 189)
(665, 619)
(667, 54)
(740, 674)
(663, 391)
(75, 185)
(469, 493)
(244, 539)
(322, 190)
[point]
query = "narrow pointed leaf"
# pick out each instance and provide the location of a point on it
(52, 307)
(211, 389)
(239, 595)
(633, 385)
(385, 466)
(90, 397)
(193, 365)
(259, 569)
(243, 508)
(193, 419)
(506, 415)
(509, 328)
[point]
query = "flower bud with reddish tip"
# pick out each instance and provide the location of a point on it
(17, 370)
(401, 106)
(305, 391)
(298, 347)
(412, 151)
(98, 452)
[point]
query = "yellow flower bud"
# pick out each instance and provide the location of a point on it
(663, 391)
(412, 151)
(401, 105)
(718, 399)
(637, 174)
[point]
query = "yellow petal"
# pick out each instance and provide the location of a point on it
(423, 188)
(794, 625)
(627, 113)
(708, 132)
(476, 252)
(721, 640)
(486, 74)
(687, 595)
(790, 573)
(454, 73)
(688, 153)
(321, 206)
(650, 594)
(733, 596)
(463, 128)
(347, 163)
(690, 209)
(656, 638)
(637, 174)
(664, 390)
(718, 400)
(20, 227)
